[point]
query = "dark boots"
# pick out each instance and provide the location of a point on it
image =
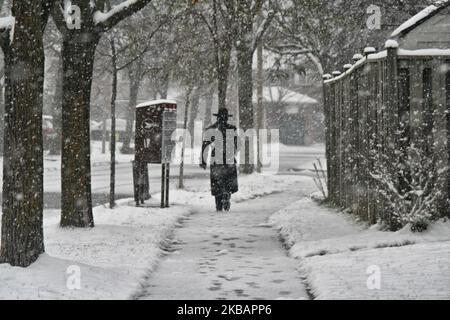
(223, 202)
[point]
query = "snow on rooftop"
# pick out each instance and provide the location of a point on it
(155, 102)
(415, 20)
(424, 52)
(279, 94)
(383, 54)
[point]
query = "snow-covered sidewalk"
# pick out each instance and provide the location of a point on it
(338, 256)
(234, 255)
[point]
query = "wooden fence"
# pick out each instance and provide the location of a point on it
(374, 111)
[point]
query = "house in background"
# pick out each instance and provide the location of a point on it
(297, 116)
(430, 28)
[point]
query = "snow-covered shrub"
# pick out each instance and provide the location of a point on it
(412, 188)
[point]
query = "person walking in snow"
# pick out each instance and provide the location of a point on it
(222, 138)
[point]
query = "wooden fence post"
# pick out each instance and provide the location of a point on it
(440, 128)
(327, 107)
(447, 86)
(391, 110)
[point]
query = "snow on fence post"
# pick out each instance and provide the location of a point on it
(440, 128)
(447, 87)
(357, 57)
(354, 83)
(363, 94)
(335, 120)
(338, 125)
(371, 129)
(326, 95)
(392, 102)
(346, 129)
(332, 160)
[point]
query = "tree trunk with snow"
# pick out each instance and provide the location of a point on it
(78, 61)
(22, 238)
(246, 44)
(80, 39)
(112, 189)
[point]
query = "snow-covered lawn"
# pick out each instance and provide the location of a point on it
(112, 257)
(335, 253)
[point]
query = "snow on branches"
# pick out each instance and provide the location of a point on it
(411, 189)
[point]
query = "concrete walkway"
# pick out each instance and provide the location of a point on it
(232, 255)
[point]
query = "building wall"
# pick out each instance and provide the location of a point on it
(434, 33)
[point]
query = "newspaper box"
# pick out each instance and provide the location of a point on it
(156, 122)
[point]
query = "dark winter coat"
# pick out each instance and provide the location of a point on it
(223, 173)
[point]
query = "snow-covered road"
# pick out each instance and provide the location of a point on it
(234, 255)
(293, 160)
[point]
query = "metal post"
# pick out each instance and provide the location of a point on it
(163, 181)
(147, 195)
(167, 184)
(135, 183)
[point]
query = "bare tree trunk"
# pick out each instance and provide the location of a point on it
(104, 135)
(208, 107)
(112, 189)
(260, 101)
(244, 61)
(135, 83)
(164, 87)
(246, 116)
(55, 145)
(78, 53)
(223, 73)
(22, 238)
(194, 110)
(78, 61)
(185, 127)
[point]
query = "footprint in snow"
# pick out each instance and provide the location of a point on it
(222, 252)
